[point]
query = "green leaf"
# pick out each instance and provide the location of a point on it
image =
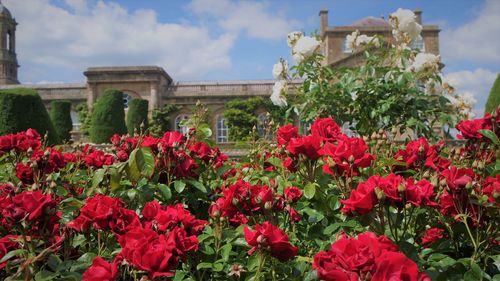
(115, 177)
(475, 273)
(309, 190)
(203, 265)
(141, 162)
(96, 180)
(179, 186)
(165, 191)
(13, 253)
(490, 135)
(198, 185)
(225, 251)
(218, 267)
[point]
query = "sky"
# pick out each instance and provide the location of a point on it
(56, 40)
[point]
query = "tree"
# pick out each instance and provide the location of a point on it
(108, 117)
(494, 98)
(60, 114)
(21, 109)
(137, 115)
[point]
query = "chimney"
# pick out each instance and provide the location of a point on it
(418, 16)
(323, 21)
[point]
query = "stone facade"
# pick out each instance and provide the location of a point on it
(338, 54)
(155, 85)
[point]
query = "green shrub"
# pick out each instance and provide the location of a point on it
(108, 117)
(137, 115)
(85, 117)
(160, 121)
(241, 117)
(22, 108)
(494, 99)
(60, 114)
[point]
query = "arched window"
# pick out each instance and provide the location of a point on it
(9, 41)
(179, 124)
(262, 124)
(345, 47)
(222, 130)
(77, 124)
(126, 99)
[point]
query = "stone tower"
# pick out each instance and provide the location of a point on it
(8, 58)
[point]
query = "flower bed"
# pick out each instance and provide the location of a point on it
(323, 205)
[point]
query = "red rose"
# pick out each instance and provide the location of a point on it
(7, 142)
(101, 270)
(326, 128)
(292, 194)
(349, 154)
(491, 188)
(123, 220)
(457, 179)
(268, 236)
(97, 211)
(308, 146)
(431, 235)
(6, 245)
(294, 215)
(396, 266)
(34, 204)
(24, 173)
(290, 164)
(172, 139)
(285, 133)
(469, 128)
(166, 218)
(362, 199)
(420, 193)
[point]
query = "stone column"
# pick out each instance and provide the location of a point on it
(91, 95)
(154, 99)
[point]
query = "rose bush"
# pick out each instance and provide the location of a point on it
(322, 205)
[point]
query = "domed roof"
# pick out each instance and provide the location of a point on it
(4, 11)
(371, 21)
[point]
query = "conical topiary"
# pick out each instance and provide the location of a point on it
(60, 114)
(137, 114)
(108, 117)
(21, 109)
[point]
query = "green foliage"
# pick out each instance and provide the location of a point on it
(137, 116)
(241, 117)
(23, 108)
(494, 98)
(60, 114)
(84, 116)
(108, 117)
(160, 121)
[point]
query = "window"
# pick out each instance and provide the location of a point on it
(418, 43)
(262, 125)
(305, 127)
(345, 46)
(179, 124)
(9, 41)
(75, 121)
(222, 134)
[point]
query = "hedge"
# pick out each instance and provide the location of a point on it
(494, 98)
(108, 117)
(21, 109)
(137, 115)
(60, 114)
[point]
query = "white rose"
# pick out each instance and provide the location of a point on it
(363, 40)
(293, 37)
(425, 61)
(306, 47)
(280, 70)
(405, 27)
(355, 40)
(278, 89)
(433, 87)
(351, 39)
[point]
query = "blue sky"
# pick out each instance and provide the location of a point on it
(228, 40)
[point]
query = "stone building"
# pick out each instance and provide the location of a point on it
(154, 84)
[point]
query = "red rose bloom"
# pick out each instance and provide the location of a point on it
(271, 238)
(349, 154)
(24, 173)
(166, 218)
(420, 193)
(431, 235)
(309, 146)
(292, 194)
(491, 188)
(285, 133)
(457, 178)
(469, 128)
(362, 199)
(396, 266)
(172, 139)
(98, 212)
(326, 128)
(101, 270)
(6, 245)
(33, 204)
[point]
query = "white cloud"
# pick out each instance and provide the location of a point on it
(106, 33)
(478, 40)
(250, 17)
(475, 83)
